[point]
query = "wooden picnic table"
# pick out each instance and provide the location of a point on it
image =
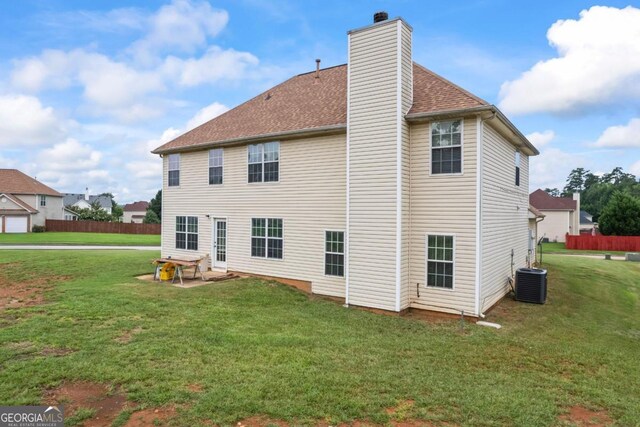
(179, 265)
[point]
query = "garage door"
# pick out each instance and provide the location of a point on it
(15, 224)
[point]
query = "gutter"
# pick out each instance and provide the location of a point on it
(418, 117)
(298, 133)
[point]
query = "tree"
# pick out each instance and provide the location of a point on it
(596, 197)
(621, 216)
(151, 217)
(575, 182)
(117, 212)
(618, 177)
(95, 213)
(552, 192)
(156, 204)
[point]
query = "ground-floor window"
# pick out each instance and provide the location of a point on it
(440, 255)
(267, 238)
(187, 232)
(334, 253)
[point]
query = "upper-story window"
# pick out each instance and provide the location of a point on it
(517, 161)
(264, 162)
(43, 200)
(446, 147)
(216, 161)
(174, 170)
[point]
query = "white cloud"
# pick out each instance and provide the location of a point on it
(110, 87)
(205, 114)
(635, 168)
(551, 168)
(182, 25)
(598, 64)
(25, 121)
(621, 136)
(69, 157)
(216, 64)
(541, 139)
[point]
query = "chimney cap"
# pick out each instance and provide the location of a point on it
(380, 16)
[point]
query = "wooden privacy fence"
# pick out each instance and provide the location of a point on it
(101, 227)
(604, 243)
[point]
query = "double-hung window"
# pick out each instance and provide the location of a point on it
(187, 232)
(334, 253)
(446, 147)
(43, 200)
(264, 162)
(174, 170)
(440, 262)
(267, 238)
(216, 161)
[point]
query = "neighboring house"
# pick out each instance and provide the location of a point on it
(378, 182)
(535, 216)
(135, 212)
(84, 201)
(587, 226)
(560, 215)
(25, 202)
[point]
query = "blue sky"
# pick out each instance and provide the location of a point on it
(87, 89)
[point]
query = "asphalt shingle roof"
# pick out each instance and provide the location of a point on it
(136, 207)
(305, 102)
(13, 181)
(542, 200)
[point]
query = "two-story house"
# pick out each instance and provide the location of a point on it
(25, 202)
(377, 181)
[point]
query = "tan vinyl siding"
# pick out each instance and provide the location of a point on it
(444, 204)
(407, 100)
(556, 225)
(373, 131)
(504, 215)
(310, 198)
(53, 210)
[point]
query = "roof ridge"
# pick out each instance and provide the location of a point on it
(321, 69)
(449, 82)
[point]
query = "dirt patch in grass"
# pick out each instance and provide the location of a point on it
(127, 336)
(16, 294)
(195, 388)
(105, 404)
(261, 421)
(582, 417)
(151, 417)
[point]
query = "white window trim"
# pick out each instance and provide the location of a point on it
(461, 173)
(262, 162)
(426, 262)
(186, 233)
(266, 237)
(324, 252)
(222, 166)
(169, 170)
(42, 198)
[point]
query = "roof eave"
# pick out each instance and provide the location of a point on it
(298, 133)
(518, 136)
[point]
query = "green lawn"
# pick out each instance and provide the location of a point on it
(559, 248)
(62, 238)
(252, 347)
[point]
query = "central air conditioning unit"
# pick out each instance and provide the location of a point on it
(531, 285)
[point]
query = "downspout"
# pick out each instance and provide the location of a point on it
(479, 171)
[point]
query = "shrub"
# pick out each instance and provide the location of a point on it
(38, 229)
(621, 216)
